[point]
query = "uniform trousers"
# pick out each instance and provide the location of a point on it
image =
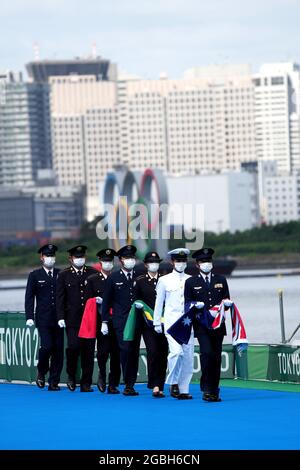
(180, 363)
(85, 348)
(107, 347)
(51, 352)
(157, 352)
(129, 356)
(210, 343)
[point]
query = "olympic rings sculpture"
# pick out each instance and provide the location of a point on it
(126, 189)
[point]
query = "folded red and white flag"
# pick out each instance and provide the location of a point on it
(210, 319)
(88, 325)
(238, 329)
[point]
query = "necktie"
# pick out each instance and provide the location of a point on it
(129, 277)
(79, 273)
(207, 282)
(50, 274)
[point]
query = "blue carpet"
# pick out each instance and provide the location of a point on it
(246, 419)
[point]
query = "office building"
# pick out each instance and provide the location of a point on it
(277, 122)
(25, 141)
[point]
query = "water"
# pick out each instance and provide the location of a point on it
(256, 298)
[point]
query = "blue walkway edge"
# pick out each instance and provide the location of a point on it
(246, 419)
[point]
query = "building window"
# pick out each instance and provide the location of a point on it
(277, 81)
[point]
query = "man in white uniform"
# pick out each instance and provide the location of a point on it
(170, 298)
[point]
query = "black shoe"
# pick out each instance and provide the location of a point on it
(174, 391)
(158, 394)
(86, 388)
(112, 390)
(211, 397)
(130, 392)
(101, 385)
(71, 384)
(40, 380)
(53, 388)
(184, 396)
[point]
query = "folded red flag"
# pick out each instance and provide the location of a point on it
(89, 320)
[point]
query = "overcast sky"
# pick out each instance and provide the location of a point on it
(146, 37)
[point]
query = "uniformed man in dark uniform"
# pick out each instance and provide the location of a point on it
(71, 285)
(156, 344)
(41, 292)
(107, 345)
(208, 289)
(119, 294)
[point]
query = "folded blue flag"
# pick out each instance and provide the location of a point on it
(181, 329)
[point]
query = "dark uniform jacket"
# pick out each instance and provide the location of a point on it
(70, 295)
(95, 287)
(41, 289)
(196, 290)
(119, 294)
(145, 289)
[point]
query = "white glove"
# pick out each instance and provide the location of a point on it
(29, 322)
(228, 303)
(104, 329)
(62, 323)
(138, 305)
(199, 305)
(99, 300)
(158, 328)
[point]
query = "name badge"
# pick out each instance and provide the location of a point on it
(218, 286)
(199, 287)
(119, 283)
(41, 281)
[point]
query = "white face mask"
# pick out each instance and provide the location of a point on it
(153, 267)
(49, 261)
(206, 267)
(107, 265)
(78, 262)
(180, 266)
(129, 263)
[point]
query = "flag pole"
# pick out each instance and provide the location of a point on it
(280, 297)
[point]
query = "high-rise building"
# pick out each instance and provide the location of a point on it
(25, 142)
(277, 119)
(85, 132)
(199, 123)
(41, 70)
(279, 194)
(40, 212)
(83, 118)
(181, 126)
(215, 118)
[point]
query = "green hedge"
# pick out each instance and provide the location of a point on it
(282, 239)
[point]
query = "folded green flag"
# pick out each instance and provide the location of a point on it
(128, 333)
(147, 312)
